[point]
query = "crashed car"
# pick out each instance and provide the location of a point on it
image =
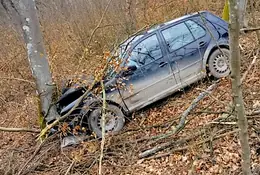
(159, 61)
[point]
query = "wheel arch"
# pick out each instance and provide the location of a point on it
(210, 51)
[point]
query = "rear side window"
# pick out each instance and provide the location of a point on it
(177, 36)
(146, 51)
(195, 29)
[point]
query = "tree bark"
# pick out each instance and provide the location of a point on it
(234, 30)
(37, 57)
(242, 13)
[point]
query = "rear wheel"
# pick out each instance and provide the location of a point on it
(218, 63)
(114, 120)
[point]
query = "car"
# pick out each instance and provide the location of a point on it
(159, 61)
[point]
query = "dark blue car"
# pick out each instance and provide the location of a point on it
(160, 61)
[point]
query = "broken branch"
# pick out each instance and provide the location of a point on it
(186, 113)
(19, 130)
(250, 29)
(188, 147)
(180, 125)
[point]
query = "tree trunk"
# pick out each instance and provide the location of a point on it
(243, 22)
(37, 57)
(242, 13)
(234, 31)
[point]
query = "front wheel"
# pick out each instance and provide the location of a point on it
(114, 120)
(218, 63)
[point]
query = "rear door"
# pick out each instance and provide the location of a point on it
(184, 41)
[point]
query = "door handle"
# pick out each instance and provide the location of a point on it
(162, 64)
(202, 43)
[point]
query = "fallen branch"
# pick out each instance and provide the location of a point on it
(168, 144)
(180, 125)
(250, 29)
(188, 147)
(31, 158)
(186, 113)
(70, 167)
(250, 67)
(18, 79)
(19, 130)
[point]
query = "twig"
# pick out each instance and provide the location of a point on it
(168, 144)
(103, 128)
(18, 79)
(19, 130)
(253, 113)
(188, 147)
(213, 97)
(250, 29)
(94, 31)
(250, 67)
(70, 167)
(223, 123)
(100, 21)
(211, 112)
(34, 154)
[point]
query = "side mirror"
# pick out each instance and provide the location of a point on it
(131, 68)
(129, 71)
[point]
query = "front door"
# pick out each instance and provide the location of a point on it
(153, 77)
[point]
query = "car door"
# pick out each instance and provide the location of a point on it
(184, 53)
(153, 76)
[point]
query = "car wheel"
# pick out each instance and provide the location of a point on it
(114, 120)
(218, 63)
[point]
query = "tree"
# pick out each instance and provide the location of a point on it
(234, 31)
(242, 13)
(37, 57)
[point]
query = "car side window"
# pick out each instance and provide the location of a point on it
(177, 36)
(196, 29)
(146, 51)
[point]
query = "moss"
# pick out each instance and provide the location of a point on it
(225, 13)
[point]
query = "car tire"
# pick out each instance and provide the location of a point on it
(218, 63)
(116, 120)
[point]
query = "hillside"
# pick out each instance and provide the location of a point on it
(73, 48)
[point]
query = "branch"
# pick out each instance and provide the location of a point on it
(180, 125)
(94, 31)
(168, 144)
(56, 122)
(18, 79)
(187, 111)
(196, 144)
(70, 167)
(250, 29)
(19, 130)
(103, 128)
(250, 67)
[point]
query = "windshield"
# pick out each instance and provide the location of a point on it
(120, 55)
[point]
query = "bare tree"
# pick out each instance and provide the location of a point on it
(37, 57)
(237, 84)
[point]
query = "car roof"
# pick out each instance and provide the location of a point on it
(145, 32)
(175, 20)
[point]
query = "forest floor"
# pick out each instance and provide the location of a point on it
(204, 154)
